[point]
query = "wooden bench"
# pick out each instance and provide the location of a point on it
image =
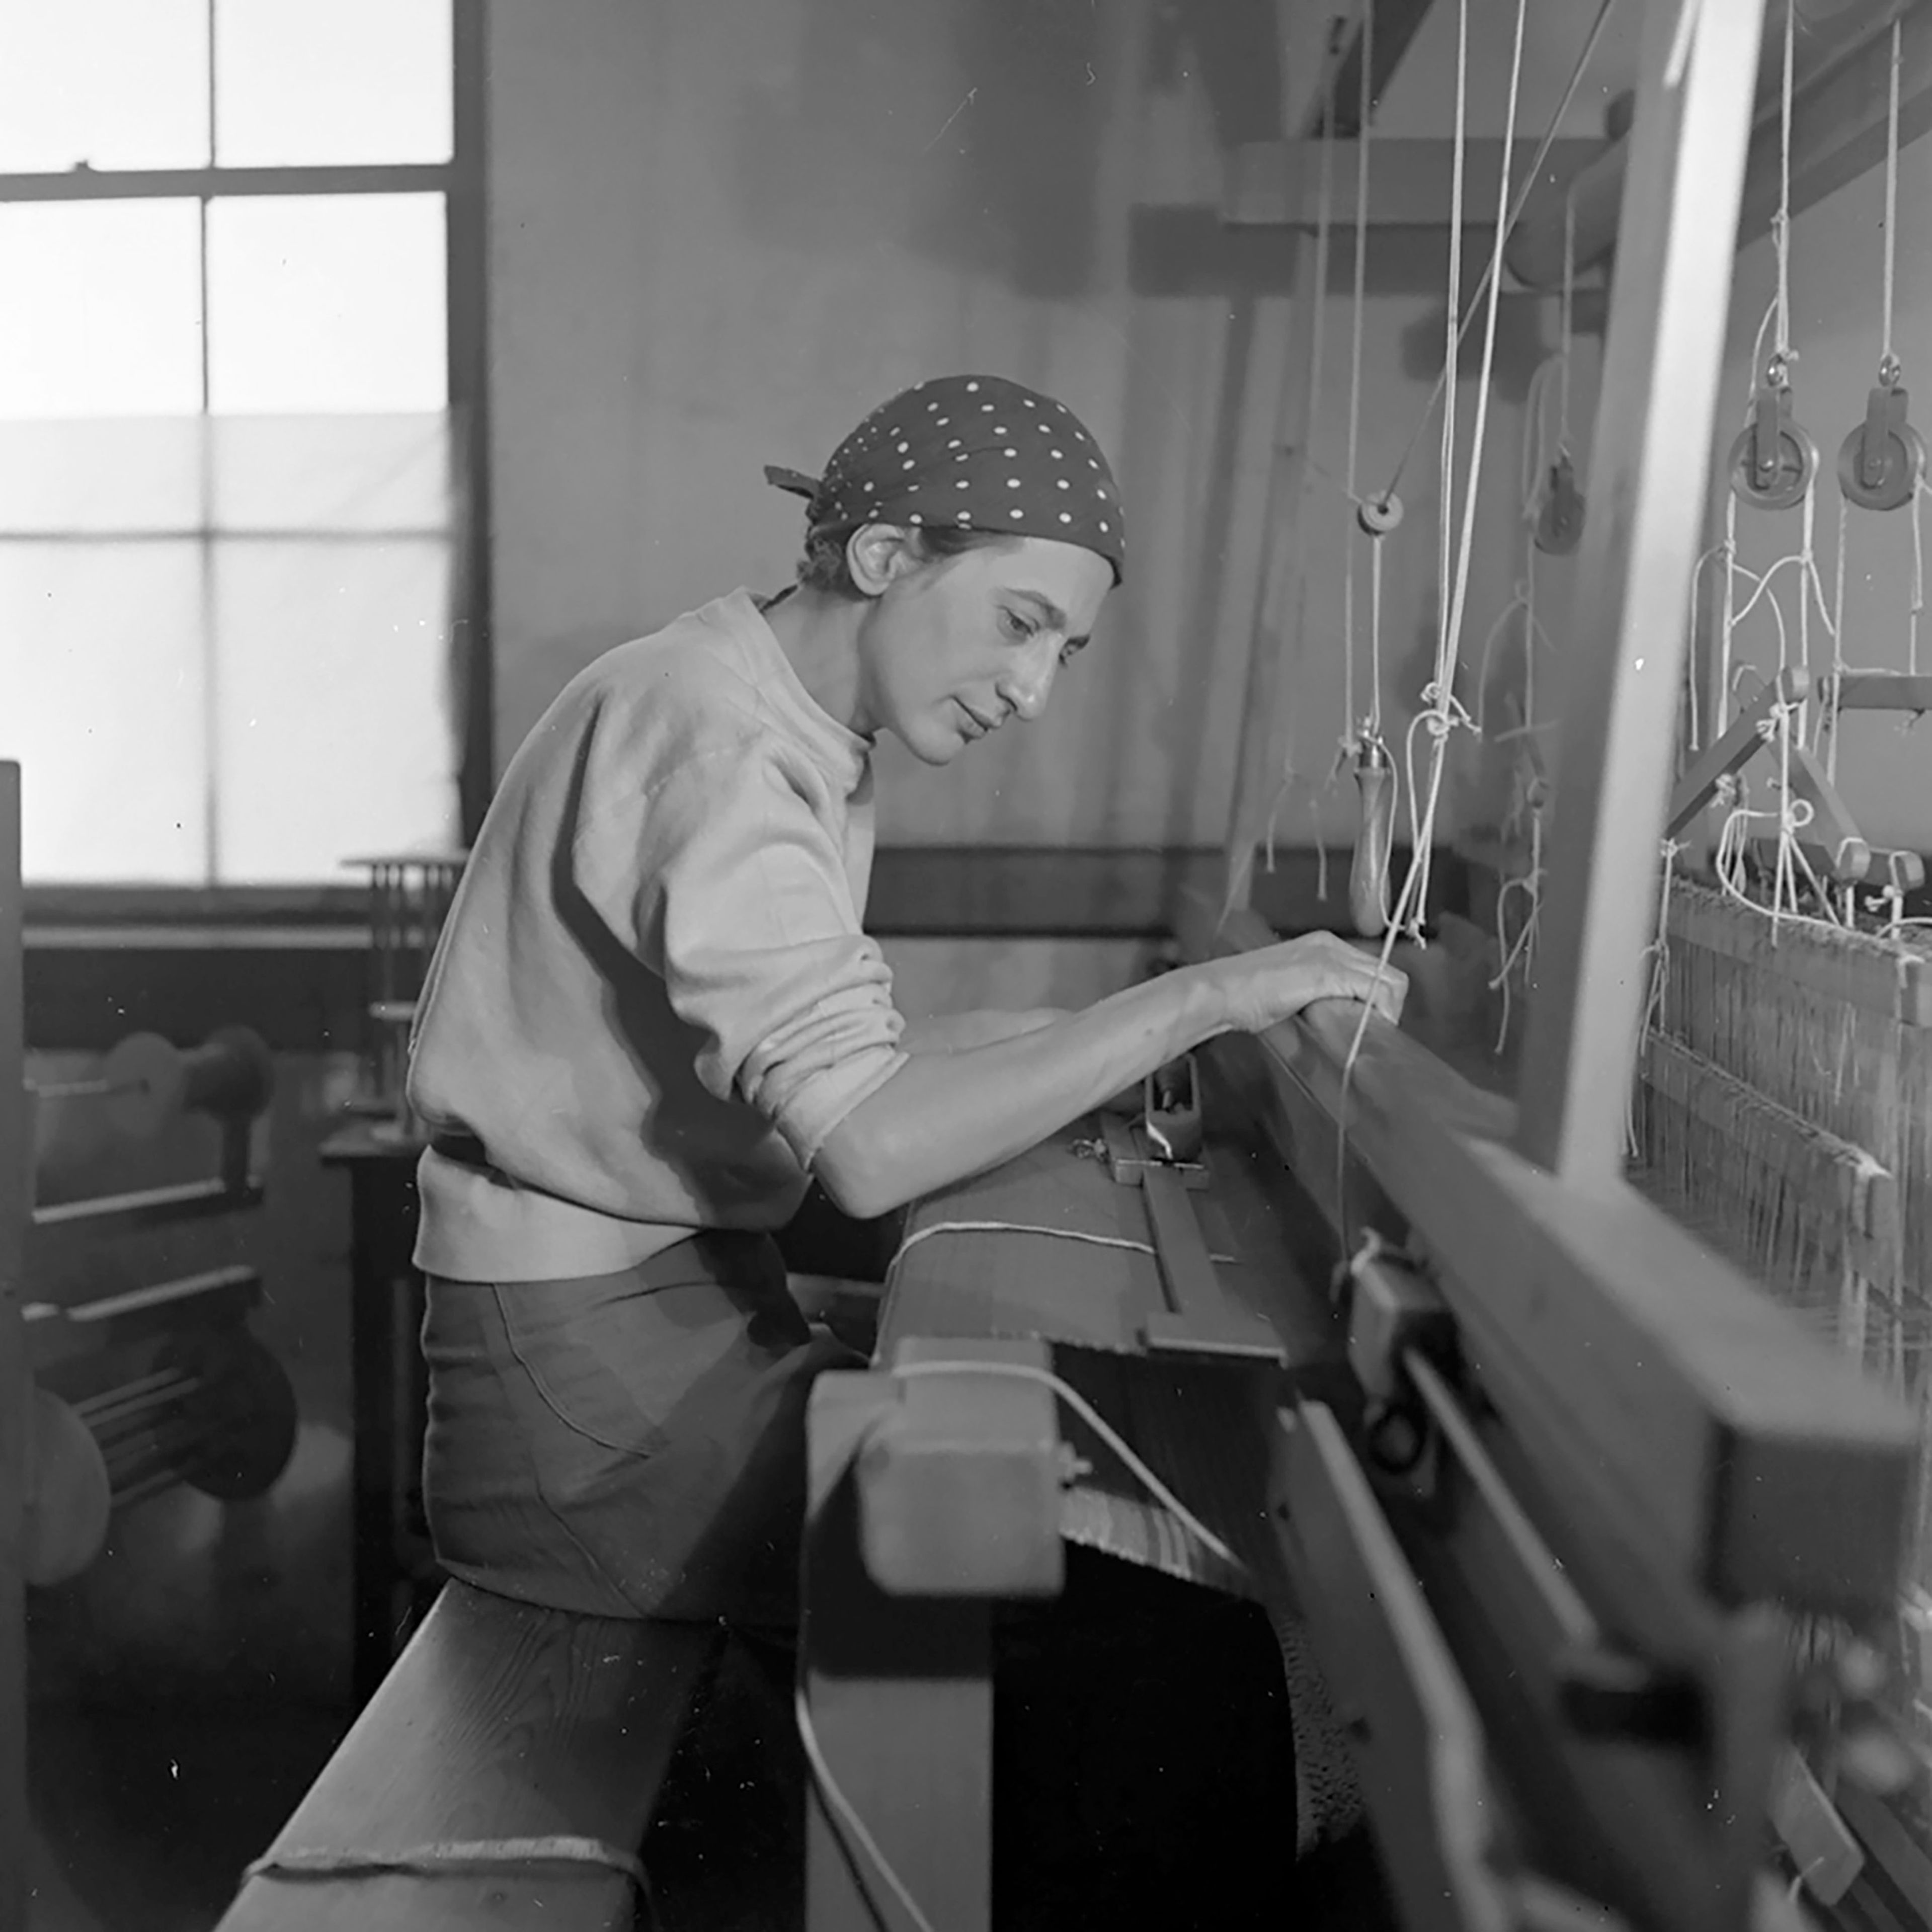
(498, 1723)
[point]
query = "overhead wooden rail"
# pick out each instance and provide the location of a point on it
(1841, 65)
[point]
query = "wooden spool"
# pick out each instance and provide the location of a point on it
(67, 1496)
(216, 1413)
(147, 1081)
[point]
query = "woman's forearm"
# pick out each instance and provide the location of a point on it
(958, 1033)
(946, 1115)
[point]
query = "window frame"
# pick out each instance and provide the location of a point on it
(71, 910)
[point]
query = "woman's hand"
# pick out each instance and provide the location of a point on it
(1273, 983)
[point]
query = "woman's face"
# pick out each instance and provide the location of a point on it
(949, 650)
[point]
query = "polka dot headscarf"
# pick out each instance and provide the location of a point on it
(972, 452)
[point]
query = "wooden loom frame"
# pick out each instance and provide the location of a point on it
(1636, 1367)
(1650, 1388)
(15, 1385)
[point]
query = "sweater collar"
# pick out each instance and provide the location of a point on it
(843, 751)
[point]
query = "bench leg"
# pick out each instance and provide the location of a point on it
(900, 1694)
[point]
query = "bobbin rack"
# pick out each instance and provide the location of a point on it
(140, 1391)
(409, 897)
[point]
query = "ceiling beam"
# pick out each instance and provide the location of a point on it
(1841, 87)
(1277, 185)
(1337, 109)
(1236, 46)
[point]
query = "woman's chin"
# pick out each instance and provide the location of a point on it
(933, 741)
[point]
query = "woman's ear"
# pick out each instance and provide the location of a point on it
(877, 554)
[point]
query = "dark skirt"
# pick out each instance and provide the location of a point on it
(628, 1444)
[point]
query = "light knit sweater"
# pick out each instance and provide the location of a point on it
(653, 998)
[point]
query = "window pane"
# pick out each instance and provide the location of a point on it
(116, 477)
(356, 80)
(335, 731)
(326, 305)
(102, 316)
(101, 698)
(335, 473)
(115, 83)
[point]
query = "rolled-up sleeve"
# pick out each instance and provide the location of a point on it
(731, 887)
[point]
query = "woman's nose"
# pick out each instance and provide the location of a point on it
(1028, 683)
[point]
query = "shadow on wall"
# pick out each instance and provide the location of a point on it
(1004, 185)
(1524, 338)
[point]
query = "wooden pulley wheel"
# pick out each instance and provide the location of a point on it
(245, 1404)
(66, 1500)
(1881, 462)
(1773, 462)
(1378, 515)
(1559, 522)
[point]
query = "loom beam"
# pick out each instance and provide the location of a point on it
(1839, 117)
(1734, 748)
(1659, 1394)
(15, 1374)
(1878, 690)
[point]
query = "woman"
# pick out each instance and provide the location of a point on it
(654, 1016)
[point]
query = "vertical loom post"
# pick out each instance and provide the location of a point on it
(1649, 465)
(1281, 568)
(15, 1385)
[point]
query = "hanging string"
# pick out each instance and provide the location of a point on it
(1318, 357)
(1358, 310)
(1658, 953)
(1828, 716)
(1240, 872)
(1525, 813)
(1512, 215)
(1568, 314)
(1445, 713)
(1917, 580)
(1781, 226)
(1442, 691)
(1886, 359)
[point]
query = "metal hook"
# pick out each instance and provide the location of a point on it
(1368, 877)
(1559, 522)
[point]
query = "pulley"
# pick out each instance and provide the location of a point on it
(1883, 458)
(1368, 877)
(1559, 522)
(1774, 462)
(1378, 515)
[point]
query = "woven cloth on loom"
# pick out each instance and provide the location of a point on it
(1785, 1114)
(994, 1258)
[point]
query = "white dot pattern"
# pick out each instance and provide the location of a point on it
(878, 471)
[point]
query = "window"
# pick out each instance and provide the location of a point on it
(233, 499)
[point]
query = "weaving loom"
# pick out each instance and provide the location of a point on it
(1786, 1110)
(1595, 1525)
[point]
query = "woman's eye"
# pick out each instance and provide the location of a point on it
(1015, 627)
(1070, 650)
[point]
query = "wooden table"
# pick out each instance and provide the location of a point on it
(950, 1472)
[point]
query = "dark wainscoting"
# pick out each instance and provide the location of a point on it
(101, 963)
